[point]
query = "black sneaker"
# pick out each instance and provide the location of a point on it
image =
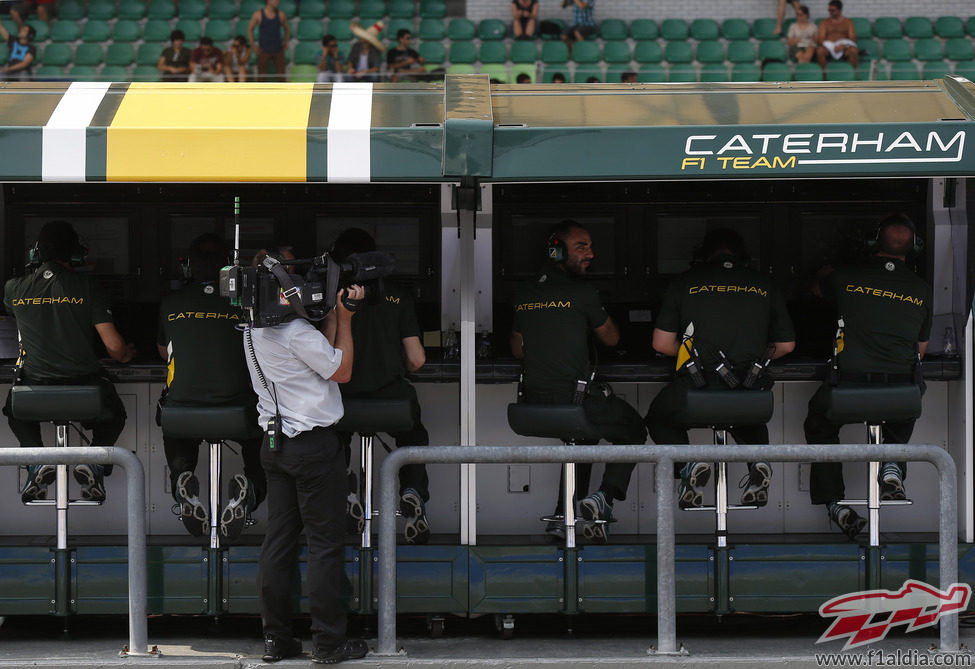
(39, 477)
(555, 529)
(596, 507)
(847, 520)
(280, 648)
(195, 518)
(755, 484)
(417, 530)
(92, 482)
(891, 482)
(351, 649)
(241, 499)
(693, 477)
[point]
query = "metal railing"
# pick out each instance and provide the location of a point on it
(664, 457)
(135, 490)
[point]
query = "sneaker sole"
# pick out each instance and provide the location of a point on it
(757, 495)
(36, 488)
(417, 530)
(234, 516)
(589, 509)
(689, 498)
(595, 532)
(92, 488)
(700, 475)
(194, 516)
(355, 514)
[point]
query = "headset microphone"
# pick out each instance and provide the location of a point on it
(556, 248)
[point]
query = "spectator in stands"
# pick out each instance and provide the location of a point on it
(802, 36)
(523, 78)
(583, 22)
(330, 63)
(45, 9)
(558, 78)
(364, 61)
(780, 17)
(593, 80)
(524, 18)
(628, 78)
(235, 59)
(837, 38)
(403, 62)
(271, 45)
(174, 62)
(22, 53)
(207, 62)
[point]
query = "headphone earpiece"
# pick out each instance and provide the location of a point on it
(184, 268)
(556, 249)
(917, 244)
(78, 255)
(33, 258)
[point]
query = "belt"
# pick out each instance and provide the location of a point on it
(875, 377)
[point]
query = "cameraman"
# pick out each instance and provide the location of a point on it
(295, 371)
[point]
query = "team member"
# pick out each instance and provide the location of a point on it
(199, 339)
(296, 379)
(718, 308)
(387, 345)
(884, 313)
(58, 313)
(552, 321)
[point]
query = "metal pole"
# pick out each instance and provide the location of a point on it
(568, 503)
(873, 490)
(365, 466)
(214, 494)
(666, 541)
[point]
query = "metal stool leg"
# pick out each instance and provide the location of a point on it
(873, 516)
(365, 464)
(215, 595)
(215, 494)
(721, 575)
(568, 504)
(62, 561)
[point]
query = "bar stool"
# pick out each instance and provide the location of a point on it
(61, 405)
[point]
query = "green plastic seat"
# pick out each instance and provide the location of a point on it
(612, 29)
(306, 53)
(309, 9)
(54, 54)
(309, 30)
(904, 71)
(341, 9)
(148, 54)
(678, 52)
(463, 52)
(935, 69)
(493, 52)
(523, 68)
(776, 72)
(135, 10)
(191, 29)
(560, 29)
(126, 31)
(372, 8)
(714, 72)
(433, 52)
(614, 73)
(674, 29)
(248, 7)
(145, 73)
(431, 29)
(949, 27)
(840, 71)
(219, 31)
(870, 46)
(772, 51)
(395, 25)
(644, 29)
(72, 10)
(224, 9)
(461, 29)
(710, 52)
(120, 54)
(862, 28)
(616, 52)
(41, 29)
(524, 51)
(959, 49)
(401, 9)
(89, 54)
(807, 72)
(866, 71)
(303, 73)
(156, 31)
(704, 29)
(735, 29)
(651, 73)
(192, 9)
(741, 52)
(65, 31)
(681, 73)
(966, 69)
(433, 9)
(461, 68)
(585, 72)
(764, 29)
(585, 52)
(114, 73)
(970, 26)
(161, 9)
(491, 30)
(47, 72)
(96, 31)
(341, 29)
(648, 52)
(83, 73)
(555, 53)
(888, 27)
(918, 27)
(495, 71)
(928, 49)
(101, 10)
(897, 51)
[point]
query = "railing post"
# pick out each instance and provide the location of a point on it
(666, 541)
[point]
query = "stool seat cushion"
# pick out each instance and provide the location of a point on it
(211, 424)
(369, 416)
(58, 404)
(873, 404)
(724, 407)
(557, 421)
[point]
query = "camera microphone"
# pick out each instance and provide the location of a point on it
(369, 265)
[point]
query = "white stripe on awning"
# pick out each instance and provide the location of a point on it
(349, 122)
(63, 140)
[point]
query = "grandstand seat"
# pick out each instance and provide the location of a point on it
(145, 73)
(868, 70)
(191, 29)
(55, 54)
(764, 29)
(219, 31)
(560, 25)
(678, 52)
(869, 47)
(808, 72)
(776, 72)
(71, 10)
(65, 31)
(463, 52)
(309, 30)
(431, 29)
(42, 31)
(341, 9)
(303, 73)
(89, 54)
(949, 27)
(735, 29)
(400, 9)
(887, 27)
(555, 53)
(491, 30)
(126, 31)
(495, 71)
(918, 27)
(648, 52)
(612, 29)
(461, 68)
(839, 70)
(616, 52)
(586, 72)
(966, 69)
(897, 51)
(741, 52)
(585, 52)
(148, 54)
(224, 9)
(82, 73)
(524, 51)
(156, 31)
(710, 51)
(674, 29)
(120, 54)
(101, 10)
(903, 71)
(375, 8)
(395, 25)
(432, 52)
(493, 52)
(309, 9)
(862, 28)
(959, 49)
(114, 73)
(644, 29)
(682, 73)
(248, 7)
(5, 52)
(651, 73)
(306, 53)
(461, 29)
(614, 73)
(96, 31)
(341, 29)
(47, 72)
(772, 51)
(523, 68)
(161, 9)
(935, 69)
(714, 72)
(745, 72)
(433, 9)
(704, 29)
(192, 9)
(134, 10)
(928, 49)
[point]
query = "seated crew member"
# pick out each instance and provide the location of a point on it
(387, 345)
(58, 313)
(718, 308)
(884, 317)
(201, 343)
(552, 321)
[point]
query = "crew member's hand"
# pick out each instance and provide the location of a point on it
(130, 352)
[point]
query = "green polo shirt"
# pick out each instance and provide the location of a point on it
(378, 331)
(555, 315)
(733, 309)
(206, 363)
(56, 311)
(886, 309)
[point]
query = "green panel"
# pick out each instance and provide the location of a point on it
(467, 147)
(429, 579)
(177, 579)
(25, 143)
(26, 577)
(794, 577)
(516, 579)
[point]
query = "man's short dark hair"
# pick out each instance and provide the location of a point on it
(836, 3)
(564, 228)
(57, 240)
(523, 78)
(328, 38)
(402, 32)
(208, 254)
(896, 247)
(723, 240)
(242, 39)
(177, 34)
(805, 9)
(558, 77)
(206, 41)
(352, 240)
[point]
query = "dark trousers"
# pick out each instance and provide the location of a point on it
(305, 489)
(105, 430)
(182, 455)
(826, 478)
(265, 57)
(410, 476)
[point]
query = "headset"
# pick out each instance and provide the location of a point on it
(917, 244)
(555, 248)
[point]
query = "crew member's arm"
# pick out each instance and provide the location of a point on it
(665, 342)
(517, 345)
(343, 334)
(163, 353)
(782, 348)
(608, 333)
(922, 348)
(114, 344)
(413, 353)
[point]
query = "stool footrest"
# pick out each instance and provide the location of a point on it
(883, 502)
(71, 502)
(731, 507)
(552, 519)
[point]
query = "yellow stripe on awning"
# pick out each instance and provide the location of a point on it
(210, 132)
